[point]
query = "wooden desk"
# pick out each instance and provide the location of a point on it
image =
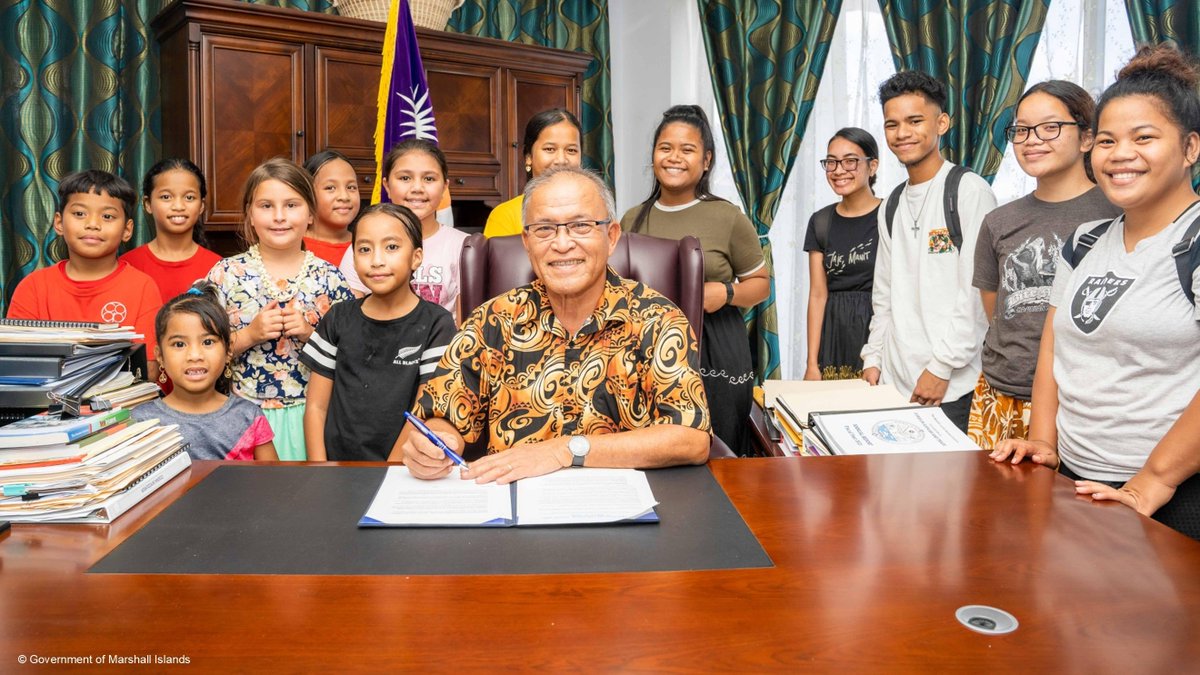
(873, 555)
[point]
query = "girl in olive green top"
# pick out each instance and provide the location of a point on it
(735, 273)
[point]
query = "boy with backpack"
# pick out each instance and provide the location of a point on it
(928, 325)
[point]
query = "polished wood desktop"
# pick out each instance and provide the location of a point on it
(872, 556)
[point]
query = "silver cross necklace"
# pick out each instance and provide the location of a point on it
(916, 225)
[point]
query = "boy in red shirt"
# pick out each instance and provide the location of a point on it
(93, 218)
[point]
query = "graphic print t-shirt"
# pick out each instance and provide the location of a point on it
(126, 297)
(850, 252)
(437, 278)
(376, 367)
(1126, 350)
(1015, 257)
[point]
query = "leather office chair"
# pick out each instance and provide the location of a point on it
(490, 267)
(493, 266)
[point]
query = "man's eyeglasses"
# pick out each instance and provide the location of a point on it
(1046, 131)
(848, 163)
(577, 229)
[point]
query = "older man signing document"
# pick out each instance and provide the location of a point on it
(578, 368)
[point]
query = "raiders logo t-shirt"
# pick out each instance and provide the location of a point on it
(1126, 350)
(376, 367)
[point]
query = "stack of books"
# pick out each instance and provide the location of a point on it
(850, 417)
(88, 469)
(44, 363)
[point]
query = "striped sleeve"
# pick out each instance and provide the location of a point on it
(439, 336)
(320, 352)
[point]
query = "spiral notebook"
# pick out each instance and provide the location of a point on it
(46, 323)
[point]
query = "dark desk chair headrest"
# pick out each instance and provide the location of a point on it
(674, 268)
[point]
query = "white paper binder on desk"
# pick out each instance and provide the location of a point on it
(852, 417)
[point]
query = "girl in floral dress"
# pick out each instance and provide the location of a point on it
(275, 294)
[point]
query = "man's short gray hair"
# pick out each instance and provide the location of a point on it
(546, 177)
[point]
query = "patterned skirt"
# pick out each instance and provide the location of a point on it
(843, 333)
(728, 375)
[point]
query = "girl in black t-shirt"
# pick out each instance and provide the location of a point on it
(841, 243)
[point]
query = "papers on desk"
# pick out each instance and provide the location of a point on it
(851, 417)
(791, 402)
(72, 332)
(871, 432)
(108, 478)
(568, 497)
(800, 389)
(798, 405)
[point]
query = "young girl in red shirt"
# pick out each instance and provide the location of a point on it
(173, 193)
(336, 189)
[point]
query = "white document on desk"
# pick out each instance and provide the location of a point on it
(575, 496)
(870, 432)
(571, 496)
(406, 501)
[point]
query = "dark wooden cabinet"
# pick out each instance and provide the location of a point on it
(252, 98)
(241, 83)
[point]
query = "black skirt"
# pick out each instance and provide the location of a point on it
(728, 375)
(844, 331)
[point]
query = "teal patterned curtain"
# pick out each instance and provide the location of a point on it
(1173, 21)
(80, 90)
(766, 60)
(576, 25)
(80, 83)
(982, 50)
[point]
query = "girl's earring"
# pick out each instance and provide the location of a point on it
(228, 371)
(162, 375)
(528, 167)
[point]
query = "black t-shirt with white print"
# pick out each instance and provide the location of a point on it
(376, 368)
(850, 253)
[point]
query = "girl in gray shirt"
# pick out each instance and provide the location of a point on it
(194, 351)
(1018, 245)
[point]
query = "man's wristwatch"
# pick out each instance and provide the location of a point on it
(579, 447)
(728, 293)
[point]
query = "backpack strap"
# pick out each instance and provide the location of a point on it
(950, 196)
(1187, 258)
(893, 203)
(1073, 251)
(950, 204)
(822, 223)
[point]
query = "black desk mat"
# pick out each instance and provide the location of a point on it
(304, 520)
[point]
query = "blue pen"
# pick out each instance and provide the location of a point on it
(433, 438)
